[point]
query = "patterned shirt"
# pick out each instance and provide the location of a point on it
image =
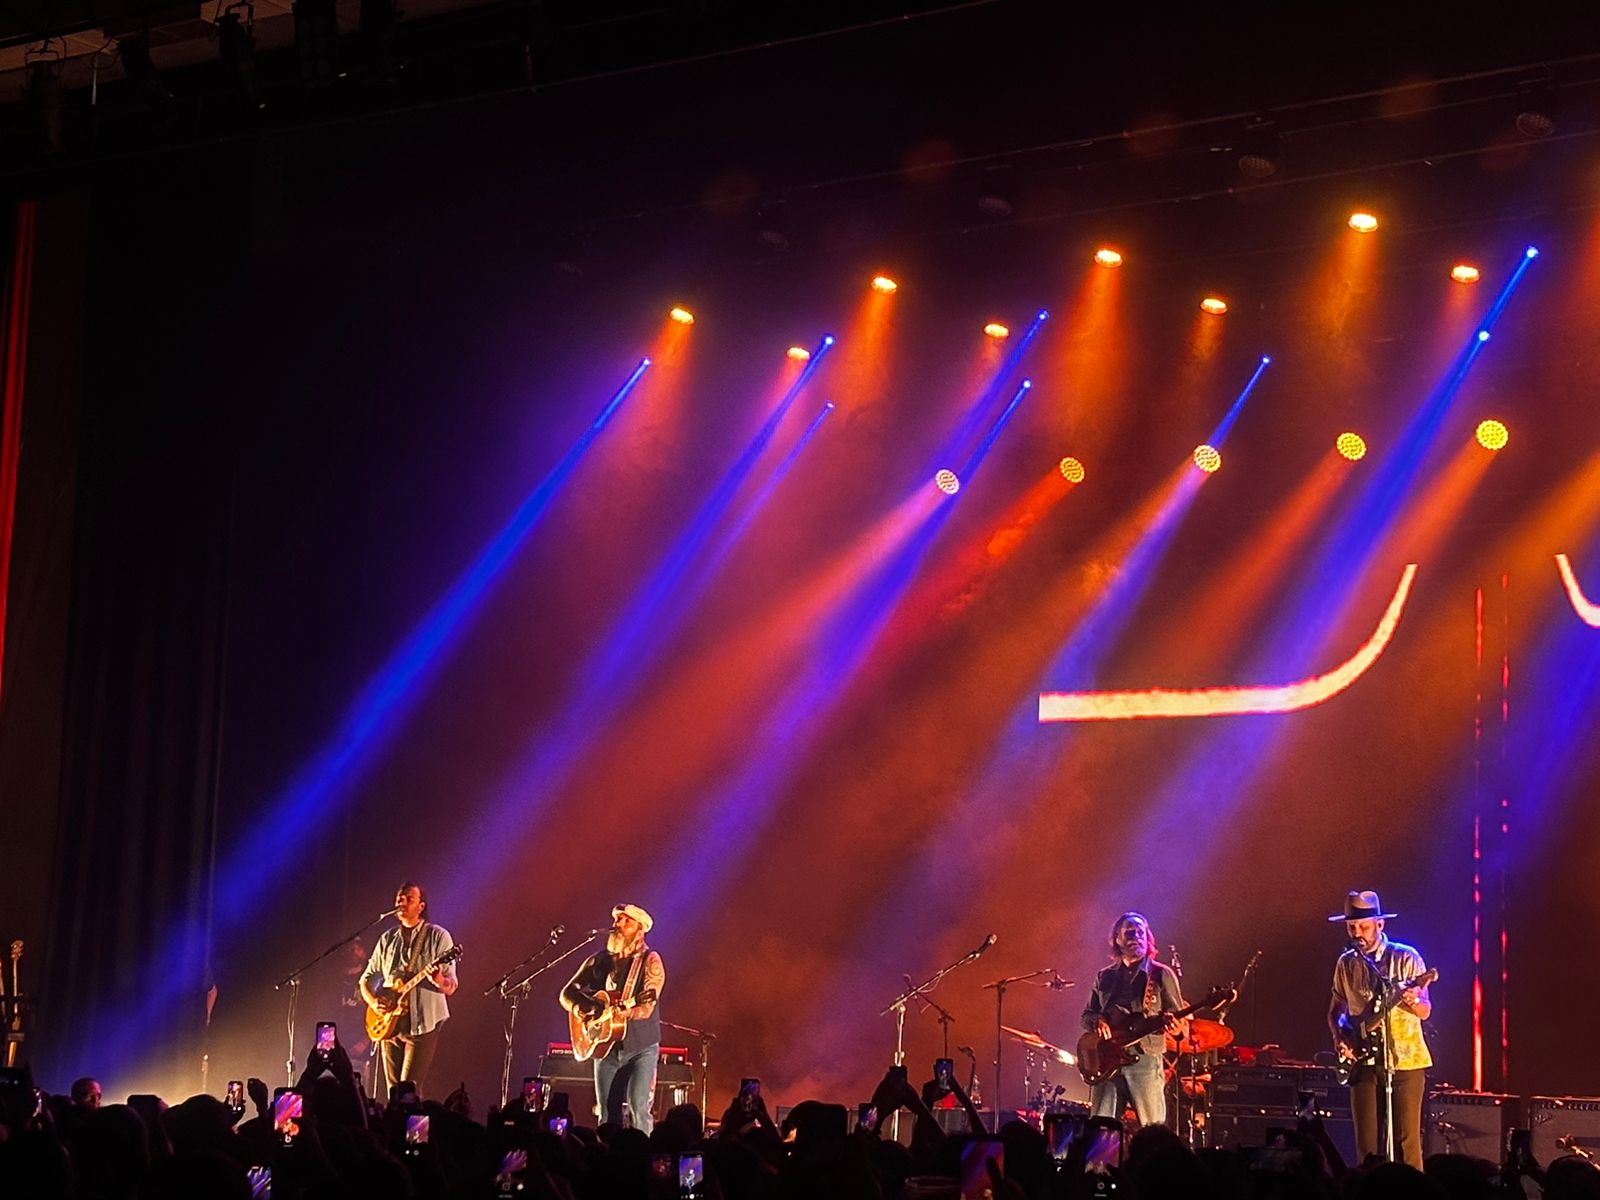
(1408, 1051)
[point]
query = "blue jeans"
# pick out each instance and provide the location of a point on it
(1140, 1083)
(627, 1073)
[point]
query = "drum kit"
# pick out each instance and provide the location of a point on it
(1046, 1099)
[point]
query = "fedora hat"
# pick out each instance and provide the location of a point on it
(1362, 906)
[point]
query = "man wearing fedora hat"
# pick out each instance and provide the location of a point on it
(629, 967)
(1371, 952)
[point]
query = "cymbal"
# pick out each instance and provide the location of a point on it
(1203, 1036)
(1029, 1038)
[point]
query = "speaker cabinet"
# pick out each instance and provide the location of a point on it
(1471, 1123)
(1233, 1128)
(1557, 1119)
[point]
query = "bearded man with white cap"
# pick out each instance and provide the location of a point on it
(1375, 971)
(630, 971)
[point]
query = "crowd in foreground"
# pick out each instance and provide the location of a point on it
(335, 1143)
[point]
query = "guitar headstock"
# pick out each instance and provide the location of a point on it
(449, 956)
(1219, 996)
(16, 950)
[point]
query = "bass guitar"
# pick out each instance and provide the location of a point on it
(593, 1036)
(1356, 1032)
(1099, 1059)
(382, 1022)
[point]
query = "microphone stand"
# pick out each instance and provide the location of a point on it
(292, 982)
(705, 1059)
(1380, 1001)
(999, 986)
(517, 992)
(897, 1006)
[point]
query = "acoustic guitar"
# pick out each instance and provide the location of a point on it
(383, 1022)
(1099, 1059)
(1356, 1032)
(593, 1037)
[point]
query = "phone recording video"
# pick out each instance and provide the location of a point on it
(235, 1096)
(1102, 1144)
(691, 1177)
(1063, 1130)
(533, 1093)
(260, 1180)
(749, 1091)
(866, 1116)
(288, 1110)
(558, 1124)
(508, 1180)
(944, 1073)
(327, 1037)
(977, 1152)
(416, 1132)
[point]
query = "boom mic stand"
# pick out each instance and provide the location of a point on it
(517, 992)
(999, 986)
(292, 982)
(705, 1059)
(897, 1006)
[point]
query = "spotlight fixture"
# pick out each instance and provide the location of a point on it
(947, 482)
(1492, 434)
(1259, 149)
(1536, 107)
(1483, 335)
(1107, 257)
(1464, 273)
(681, 315)
(882, 283)
(997, 192)
(1531, 252)
(1208, 458)
(1363, 222)
(997, 331)
(799, 353)
(1215, 305)
(1352, 445)
(1071, 470)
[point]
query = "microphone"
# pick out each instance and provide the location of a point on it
(592, 933)
(392, 912)
(555, 934)
(987, 942)
(967, 1050)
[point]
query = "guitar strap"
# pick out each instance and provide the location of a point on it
(415, 958)
(633, 976)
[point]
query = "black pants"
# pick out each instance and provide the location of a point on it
(407, 1057)
(1366, 1106)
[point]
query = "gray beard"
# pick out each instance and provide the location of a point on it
(620, 947)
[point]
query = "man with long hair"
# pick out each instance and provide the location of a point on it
(1133, 987)
(400, 952)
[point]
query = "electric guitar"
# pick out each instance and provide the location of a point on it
(1099, 1059)
(13, 1029)
(1356, 1032)
(382, 1023)
(593, 1037)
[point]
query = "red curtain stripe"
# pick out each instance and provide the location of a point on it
(13, 367)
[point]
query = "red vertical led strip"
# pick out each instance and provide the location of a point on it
(1477, 844)
(1505, 827)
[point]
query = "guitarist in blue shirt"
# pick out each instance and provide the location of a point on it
(1134, 987)
(414, 945)
(615, 994)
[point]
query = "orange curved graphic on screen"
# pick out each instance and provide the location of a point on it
(1231, 701)
(1588, 611)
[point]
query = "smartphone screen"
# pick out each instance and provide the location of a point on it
(288, 1109)
(416, 1131)
(508, 1180)
(691, 1177)
(532, 1093)
(866, 1117)
(558, 1125)
(944, 1072)
(260, 1179)
(327, 1037)
(235, 1097)
(1061, 1130)
(749, 1089)
(976, 1154)
(1103, 1148)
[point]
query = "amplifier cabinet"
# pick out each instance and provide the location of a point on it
(1471, 1123)
(1236, 1128)
(1255, 1087)
(1553, 1119)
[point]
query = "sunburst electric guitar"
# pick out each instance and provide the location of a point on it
(383, 1022)
(1101, 1058)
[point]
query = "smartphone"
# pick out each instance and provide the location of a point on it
(404, 1093)
(235, 1096)
(533, 1092)
(1517, 1141)
(558, 1125)
(749, 1090)
(691, 1177)
(1061, 1131)
(867, 1116)
(944, 1071)
(260, 1179)
(508, 1181)
(416, 1132)
(558, 1102)
(1306, 1106)
(288, 1110)
(662, 1166)
(977, 1151)
(327, 1037)
(1102, 1144)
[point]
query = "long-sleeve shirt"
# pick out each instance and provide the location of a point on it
(1147, 988)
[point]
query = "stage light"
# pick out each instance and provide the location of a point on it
(799, 353)
(947, 482)
(681, 315)
(1483, 335)
(1207, 458)
(1464, 273)
(1537, 102)
(1072, 470)
(1107, 257)
(1352, 445)
(1215, 305)
(996, 330)
(1363, 222)
(882, 283)
(1531, 252)
(1259, 149)
(1492, 435)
